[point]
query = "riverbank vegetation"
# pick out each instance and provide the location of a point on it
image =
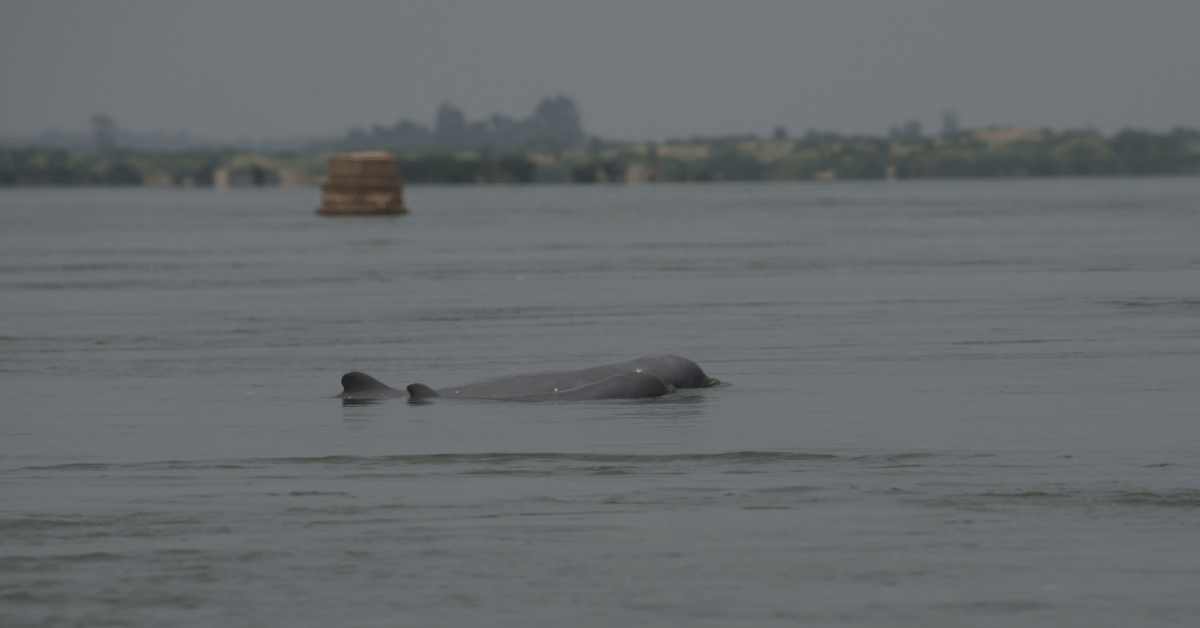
(991, 152)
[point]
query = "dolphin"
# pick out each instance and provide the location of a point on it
(634, 379)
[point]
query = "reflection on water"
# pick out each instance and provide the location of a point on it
(951, 403)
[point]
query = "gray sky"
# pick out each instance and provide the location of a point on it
(638, 70)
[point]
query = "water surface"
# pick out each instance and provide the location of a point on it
(946, 403)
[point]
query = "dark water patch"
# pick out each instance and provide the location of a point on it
(355, 476)
(1149, 302)
(1181, 498)
(363, 402)
(1085, 498)
(1016, 342)
(166, 465)
(344, 510)
(792, 489)
(1029, 495)
(130, 525)
(608, 470)
(1108, 269)
(99, 556)
(353, 522)
(118, 266)
(174, 284)
(520, 313)
(27, 596)
(569, 513)
(36, 524)
(255, 556)
(177, 552)
(493, 464)
(710, 246)
(494, 458)
(74, 466)
(55, 563)
(999, 607)
(887, 577)
(23, 564)
(892, 461)
(151, 599)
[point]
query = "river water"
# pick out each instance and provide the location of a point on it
(945, 404)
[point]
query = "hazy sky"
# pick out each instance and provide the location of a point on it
(638, 70)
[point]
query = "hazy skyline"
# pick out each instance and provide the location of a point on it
(637, 70)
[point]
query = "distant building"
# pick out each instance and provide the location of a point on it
(950, 126)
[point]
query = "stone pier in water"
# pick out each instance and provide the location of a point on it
(362, 183)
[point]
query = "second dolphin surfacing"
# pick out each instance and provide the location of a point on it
(634, 379)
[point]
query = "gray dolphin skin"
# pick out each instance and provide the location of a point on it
(634, 379)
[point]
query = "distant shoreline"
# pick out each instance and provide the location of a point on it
(973, 154)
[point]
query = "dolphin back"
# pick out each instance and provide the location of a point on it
(633, 379)
(673, 370)
(620, 386)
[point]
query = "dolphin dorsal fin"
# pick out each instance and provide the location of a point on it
(355, 382)
(417, 392)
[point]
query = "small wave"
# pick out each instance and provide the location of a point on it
(36, 523)
(792, 489)
(1156, 303)
(1183, 498)
(597, 461)
(999, 607)
(896, 461)
(1013, 342)
(1029, 495)
(1177, 498)
(53, 563)
(505, 458)
(93, 557)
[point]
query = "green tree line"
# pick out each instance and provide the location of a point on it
(977, 153)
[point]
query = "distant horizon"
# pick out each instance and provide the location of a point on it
(929, 129)
(927, 122)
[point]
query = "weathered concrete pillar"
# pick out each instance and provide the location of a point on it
(362, 183)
